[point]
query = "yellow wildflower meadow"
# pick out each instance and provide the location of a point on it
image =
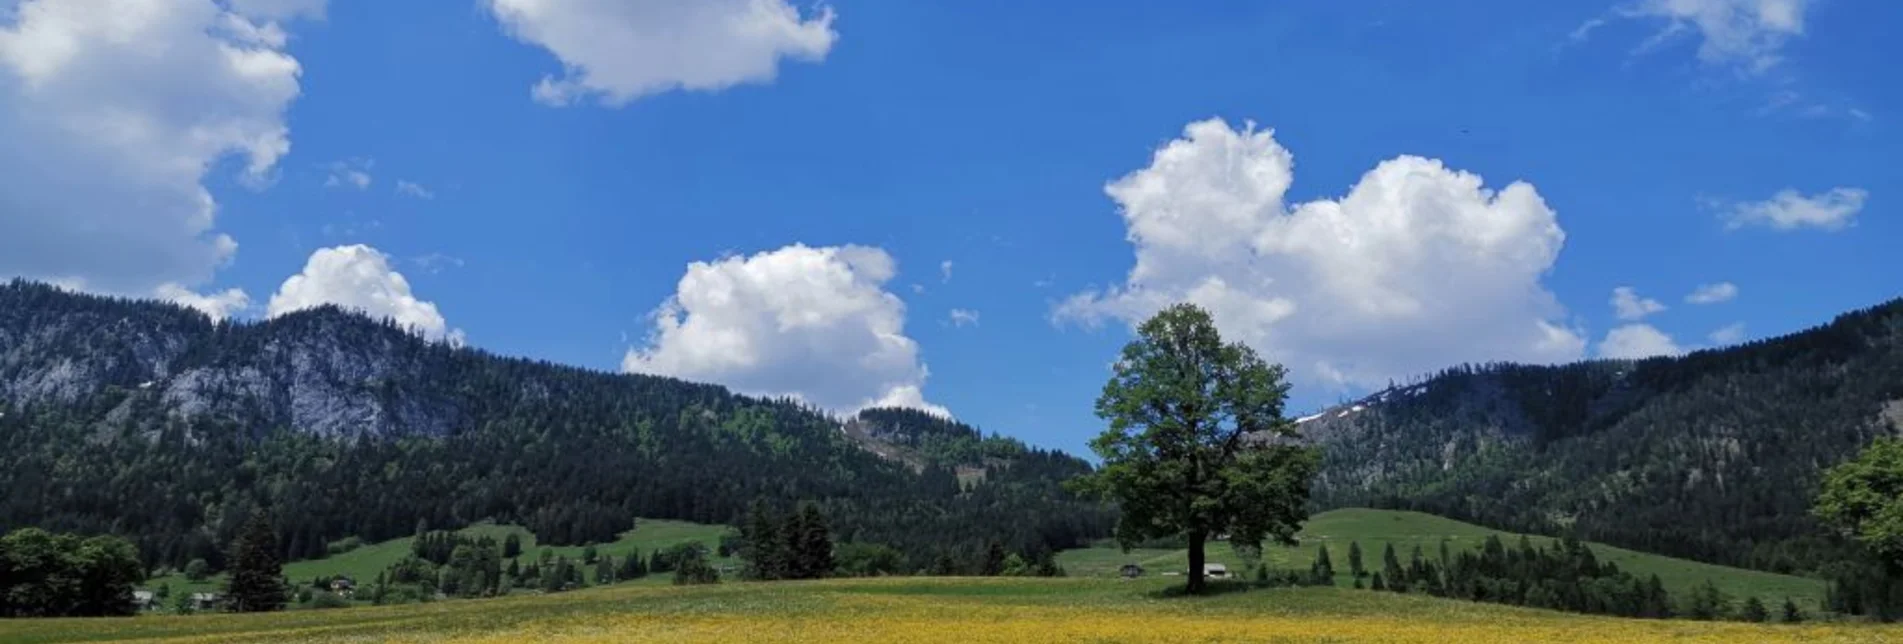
(965, 611)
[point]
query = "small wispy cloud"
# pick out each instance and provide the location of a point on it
(350, 173)
(963, 317)
(1728, 335)
(1713, 293)
(1831, 210)
(413, 189)
(1627, 304)
(436, 262)
(945, 270)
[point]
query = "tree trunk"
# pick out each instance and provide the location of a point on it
(1195, 563)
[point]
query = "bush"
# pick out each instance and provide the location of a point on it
(329, 600)
(197, 570)
(344, 545)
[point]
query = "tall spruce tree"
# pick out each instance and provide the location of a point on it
(1354, 561)
(1323, 572)
(815, 543)
(1391, 567)
(257, 577)
(1792, 614)
(762, 546)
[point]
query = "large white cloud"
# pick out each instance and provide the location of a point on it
(620, 50)
(816, 323)
(1418, 267)
(113, 112)
(359, 278)
(1831, 210)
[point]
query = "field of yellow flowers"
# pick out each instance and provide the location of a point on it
(931, 610)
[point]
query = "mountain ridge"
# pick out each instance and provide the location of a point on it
(1711, 456)
(144, 418)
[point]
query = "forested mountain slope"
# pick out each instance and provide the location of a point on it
(1714, 456)
(149, 420)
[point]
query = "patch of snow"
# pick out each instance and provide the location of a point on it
(1307, 418)
(146, 385)
(1357, 408)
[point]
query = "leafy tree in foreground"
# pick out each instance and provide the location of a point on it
(1863, 498)
(1197, 445)
(62, 575)
(256, 583)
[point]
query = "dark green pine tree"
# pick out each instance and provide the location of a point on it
(605, 570)
(816, 544)
(1792, 614)
(1391, 567)
(1354, 562)
(1378, 584)
(1754, 610)
(511, 546)
(994, 559)
(256, 583)
(1323, 572)
(763, 548)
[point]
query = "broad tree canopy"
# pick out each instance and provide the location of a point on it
(1197, 445)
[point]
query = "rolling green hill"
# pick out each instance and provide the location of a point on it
(950, 610)
(365, 562)
(1375, 529)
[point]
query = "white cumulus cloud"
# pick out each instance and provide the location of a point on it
(359, 278)
(1834, 209)
(616, 51)
(1713, 293)
(1418, 266)
(1635, 341)
(113, 112)
(815, 323)
(1627, 304)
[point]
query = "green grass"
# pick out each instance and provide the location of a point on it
(1374, 529)
(965, 611)
(365, 562)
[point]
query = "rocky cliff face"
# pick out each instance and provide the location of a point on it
(322, 371)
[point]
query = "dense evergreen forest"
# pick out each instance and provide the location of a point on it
(1714, 456)
(150, 421)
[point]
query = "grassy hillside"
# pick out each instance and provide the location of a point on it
(1374, 529)
(962, 610)
(364, 563)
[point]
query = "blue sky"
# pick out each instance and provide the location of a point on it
(823, 163)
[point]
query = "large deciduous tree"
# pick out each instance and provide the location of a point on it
(1197, 446)
(1863, 498)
